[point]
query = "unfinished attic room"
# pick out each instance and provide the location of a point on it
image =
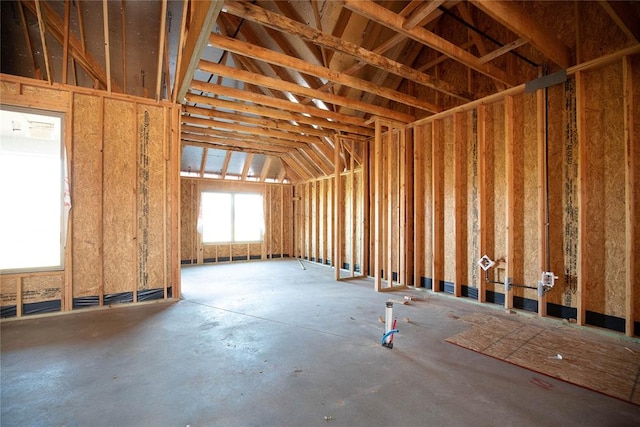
(320, 213)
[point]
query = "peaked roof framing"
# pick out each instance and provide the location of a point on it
(273, 83)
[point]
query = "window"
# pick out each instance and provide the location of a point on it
(31, 190)
(231, 217)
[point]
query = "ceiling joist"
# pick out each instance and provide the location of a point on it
(385, 17)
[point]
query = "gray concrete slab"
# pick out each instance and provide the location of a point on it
(271, 344)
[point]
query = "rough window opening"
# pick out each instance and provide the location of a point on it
(231, 217)
(32, 222)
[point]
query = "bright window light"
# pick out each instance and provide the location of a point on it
(216, 217)
(231, 217)
(248, 218)
(31, 190)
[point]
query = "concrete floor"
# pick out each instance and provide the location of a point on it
(271, 344)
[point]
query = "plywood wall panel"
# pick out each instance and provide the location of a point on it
(515, 230)
(330, 220)
(473, 220)
(358, 220)
(86, 195)
(119, 197)
(8, 289)
(449, 200)
(345, 206)
(188, 216)
(497, 117)
(42, 288)
(530, 203)
(151, 193)
(635, 71)
(563, 192)
(426, 173)
(277, 220)
(605, 193)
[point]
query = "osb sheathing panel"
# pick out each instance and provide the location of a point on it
(276, 222)
(50, 95)
(36, 288)
(601, 363)
(358, 218)
(297, 210)
(306, 246)
(42, 288)
(86, 195)
(495, 186)
(518, 202)
(390, 199)
(255, 249)
(496, 117)
(330, 186)
(268, 217)
(188, 218)
(239, 250)
(557, 127)
(352, 218)
(636, 185)
(605, 197)
(530, 204)
(120, 251)
(288, 220)
(151, 193)
(427, 175)
(9, 88)
(449, 200)
(345, 212)
(473, 225)
(8, 288)
(599, 35)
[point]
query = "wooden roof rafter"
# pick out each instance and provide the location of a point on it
(284, 24)
(248, 107)
(285, 46)
(245, 96)
(234, 127)
(252, 120)
(267, 55)
(388, 43)
(379, 14)
(222, 144)
(280, 85)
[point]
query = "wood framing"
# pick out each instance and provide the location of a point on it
(631, 195)
(510, 166)
(437, 158)
(482, 198)
(583, 198)
(203, 16)
(543, 225)
(460, 163)
(338, 213)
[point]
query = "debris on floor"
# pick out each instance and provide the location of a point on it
(328, 418)
(406, 320)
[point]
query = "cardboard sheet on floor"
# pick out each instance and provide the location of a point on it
(601, 363)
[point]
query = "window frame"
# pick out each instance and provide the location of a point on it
(61, 205)
(232, 224)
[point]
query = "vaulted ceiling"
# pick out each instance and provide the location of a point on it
(267, 86)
